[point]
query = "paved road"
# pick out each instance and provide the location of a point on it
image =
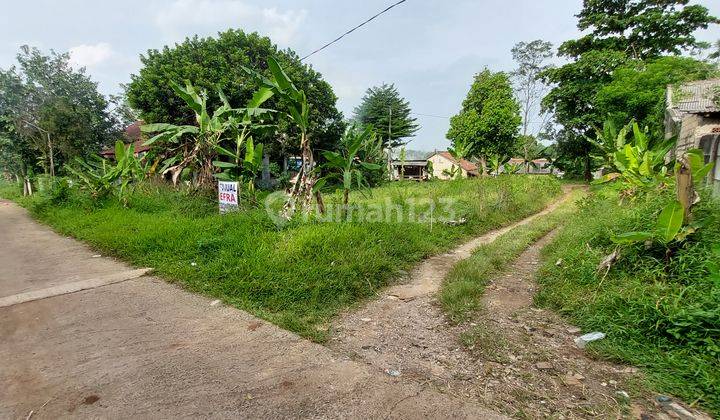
(145, 348)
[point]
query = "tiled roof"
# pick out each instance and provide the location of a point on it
(463, 163)
(694, 97)
(132, 135)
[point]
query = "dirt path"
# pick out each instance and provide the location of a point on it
(514, 358)
(143, 348)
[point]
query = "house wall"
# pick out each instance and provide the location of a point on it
(692, 128)
(440, 164)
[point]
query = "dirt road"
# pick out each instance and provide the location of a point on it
(144, 348)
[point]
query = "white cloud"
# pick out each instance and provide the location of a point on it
(90, 55)
(218, 15)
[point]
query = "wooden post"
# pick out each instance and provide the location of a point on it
(685, 189)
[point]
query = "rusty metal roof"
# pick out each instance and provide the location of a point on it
(695, 97)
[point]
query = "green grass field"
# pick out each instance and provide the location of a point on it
(663, 319)
(301, 274)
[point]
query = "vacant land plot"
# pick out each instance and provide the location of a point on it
(297, 275)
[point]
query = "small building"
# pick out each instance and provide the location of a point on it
(415, 170)
(444, 164)
(693, 115)
(133, 135)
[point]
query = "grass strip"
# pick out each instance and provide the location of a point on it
(462, 290)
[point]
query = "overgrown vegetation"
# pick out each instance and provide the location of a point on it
(300, 275)
(661, 315)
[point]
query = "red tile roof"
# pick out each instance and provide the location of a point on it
(132, 134)
(463, 163)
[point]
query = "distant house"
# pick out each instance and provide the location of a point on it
(133, 135)
(693, 115)
(539, 166)
(409, 169)
(443, 163)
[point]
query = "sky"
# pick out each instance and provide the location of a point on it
(430, 49)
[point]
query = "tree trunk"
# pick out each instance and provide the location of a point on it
(346, 200)
(685, 189)
(588, 173)
(302, 192)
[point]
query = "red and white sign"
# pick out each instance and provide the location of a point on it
(228, 196)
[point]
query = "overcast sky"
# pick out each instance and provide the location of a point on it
(430, 49)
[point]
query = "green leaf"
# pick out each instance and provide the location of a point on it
(152, 128)
(188, 95)
(319, 184)
(226, 152)
(221, 164)
(631, 237)
(670, 221)
(370, 166)
(119, 150)
(259, 97)
(281, 77)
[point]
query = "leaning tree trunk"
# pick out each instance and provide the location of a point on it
(301, 195)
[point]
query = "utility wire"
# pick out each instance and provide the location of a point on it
(430, 115)
(352, 30)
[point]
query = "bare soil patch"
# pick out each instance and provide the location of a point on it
(511, 357)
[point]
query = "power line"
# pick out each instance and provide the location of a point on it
(352, 30)
(430, 115)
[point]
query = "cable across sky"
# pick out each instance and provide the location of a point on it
(353, 29)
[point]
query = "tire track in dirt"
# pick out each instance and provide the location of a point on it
(511, 357)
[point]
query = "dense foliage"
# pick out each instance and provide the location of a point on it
(388, 113)
(637, 89)
(490, 117)
(50, 113)
(217, 63)
(617, 33)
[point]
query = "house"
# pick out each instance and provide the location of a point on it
(539, 166)
(415, 169)
(443, 164)
(693, 115)
(133, 135)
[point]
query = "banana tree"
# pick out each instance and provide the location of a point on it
(496, 163)
(640, 163)
(195, 147)
(460, 150)
(298, 109)
(347, 166)
(244, 167)
(100, 177)
(609, 140)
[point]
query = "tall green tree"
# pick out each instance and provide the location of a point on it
(388, 113)
(489, 119)
(616, 32)
(214, 63)
(637, 90)
(52, 111)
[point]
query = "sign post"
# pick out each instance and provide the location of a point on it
(228, 196)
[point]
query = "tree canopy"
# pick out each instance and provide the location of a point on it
(617, 33)
(490, 116)
(388, 113)
(217, 63)
(51, 112)
(637, 90)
